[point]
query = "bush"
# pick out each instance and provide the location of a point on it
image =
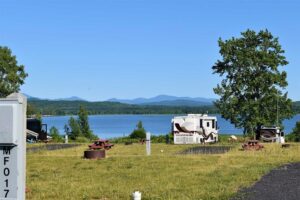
(54, 133)
(158, 138)
(139, 132)
(295, 135)
(123, 140)
(82, 140)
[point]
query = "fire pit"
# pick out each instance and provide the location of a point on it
(91, 154)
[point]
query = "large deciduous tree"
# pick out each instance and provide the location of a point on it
(12, 75)
(252, 91)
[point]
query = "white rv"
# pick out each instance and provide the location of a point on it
(270, 134)
(195, 129)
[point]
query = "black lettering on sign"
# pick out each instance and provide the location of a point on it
(6, 193)
(6, 183)
(6, 151)
(6, 172)
(6, 159)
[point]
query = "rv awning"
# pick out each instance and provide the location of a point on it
(31, 133)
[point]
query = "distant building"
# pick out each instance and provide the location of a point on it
(195, 129)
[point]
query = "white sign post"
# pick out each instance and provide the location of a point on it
(148, 143)
(66, 139)
(13, 146)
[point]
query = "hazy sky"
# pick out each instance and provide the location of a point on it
(126, 49)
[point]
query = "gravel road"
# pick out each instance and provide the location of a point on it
(282, 183)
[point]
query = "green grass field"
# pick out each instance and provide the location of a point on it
(64, 174)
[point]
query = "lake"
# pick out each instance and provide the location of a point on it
(109, 126)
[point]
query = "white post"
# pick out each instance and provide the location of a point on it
(148, 143)
(66, 139)
(13, 146)
(137, 195)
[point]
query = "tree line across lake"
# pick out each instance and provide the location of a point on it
(48, 107)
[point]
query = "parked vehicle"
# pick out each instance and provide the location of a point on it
(36, 131)
(270, 134)
(195, 129)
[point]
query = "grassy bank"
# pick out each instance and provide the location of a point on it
(63, 174)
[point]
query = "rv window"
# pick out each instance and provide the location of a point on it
(201, 123)
(207, 124)
(213, 123)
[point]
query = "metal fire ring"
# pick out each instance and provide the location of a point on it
(94, 154)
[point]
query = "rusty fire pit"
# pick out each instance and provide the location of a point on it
(94, 154)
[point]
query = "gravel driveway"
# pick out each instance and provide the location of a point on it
(282, 183)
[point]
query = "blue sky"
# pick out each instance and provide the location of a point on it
(126, 49)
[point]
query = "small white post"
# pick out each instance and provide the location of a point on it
(13, 147)
(137, 195)
(148, 143)
(66, 139)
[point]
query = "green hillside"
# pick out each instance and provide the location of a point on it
(51, 107)
(48, 107)
(296, 106)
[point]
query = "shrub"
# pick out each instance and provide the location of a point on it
(54, 133)
(295, 135)
(139, 132)
(82, 140)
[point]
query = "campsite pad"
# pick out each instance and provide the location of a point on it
(207, 150)
(50, 147)
(281, 183)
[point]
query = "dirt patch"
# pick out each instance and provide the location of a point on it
(207, 150)
(51, 147)
(281, 183)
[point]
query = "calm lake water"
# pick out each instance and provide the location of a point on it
(109, 126)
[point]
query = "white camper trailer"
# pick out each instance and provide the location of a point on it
(195, 129)
(270, 134)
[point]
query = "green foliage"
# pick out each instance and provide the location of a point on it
(72, 107)
(12, 75)
(296, 107)
(123, 140)
(295, 135)
(154, 139)
(158, 138)
(81, 139)
(171, 138)
(84, 124)
(48, 107)
(139, 132)
(251, 90)
(54, 133)
(80, 127)
(31, 110)
(75, 130)
(38, 116)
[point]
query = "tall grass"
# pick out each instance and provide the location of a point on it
(64, 174)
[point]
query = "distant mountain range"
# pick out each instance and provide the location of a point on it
(73, 98)
(166, 100)
(160, 100)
